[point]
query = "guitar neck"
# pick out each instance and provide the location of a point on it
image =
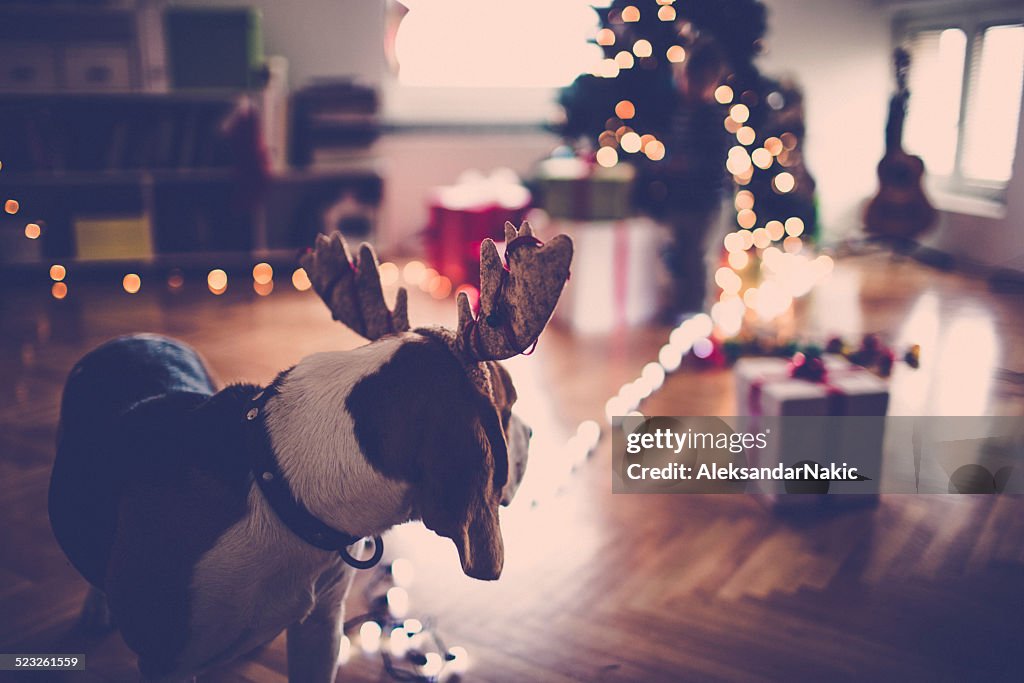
(894, 126)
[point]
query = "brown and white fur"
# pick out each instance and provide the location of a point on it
(153, 497)
(258, 578)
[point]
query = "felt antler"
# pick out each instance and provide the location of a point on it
(351, 288)
(517, 299)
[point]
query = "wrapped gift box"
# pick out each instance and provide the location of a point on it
(574, 189)
(464, 214)
(617, 273)
(846, 418)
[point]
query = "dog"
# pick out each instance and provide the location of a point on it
(208, 521)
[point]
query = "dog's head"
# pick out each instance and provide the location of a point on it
(462, 487)
(446, 428)
(438, 414)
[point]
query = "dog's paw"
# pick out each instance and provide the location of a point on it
(96, 616)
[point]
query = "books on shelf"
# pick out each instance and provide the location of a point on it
(331, 120)
(67, 134)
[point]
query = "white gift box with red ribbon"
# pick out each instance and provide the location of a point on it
(617, 276)
(766, 387)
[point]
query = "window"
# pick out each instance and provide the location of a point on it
(494, 43)
(489, 62)
(964, 112)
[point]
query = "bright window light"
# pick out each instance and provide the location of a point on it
(936, 80)
(496, 43)
(966, 138)
(993, 111)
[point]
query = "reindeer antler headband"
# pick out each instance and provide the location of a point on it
(516, 297)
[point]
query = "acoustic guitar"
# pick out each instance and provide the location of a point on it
(900, 211)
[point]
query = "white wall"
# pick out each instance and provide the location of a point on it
(838, 51)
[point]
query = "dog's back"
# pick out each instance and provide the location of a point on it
(88, 470)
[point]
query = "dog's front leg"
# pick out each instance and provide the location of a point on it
(315, 642)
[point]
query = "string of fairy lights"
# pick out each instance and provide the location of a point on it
(415, 273)
(410, 648)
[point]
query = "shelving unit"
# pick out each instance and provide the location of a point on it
(130, 150)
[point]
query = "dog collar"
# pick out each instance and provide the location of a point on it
(272, 483)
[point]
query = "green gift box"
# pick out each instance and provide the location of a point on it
(573, 189)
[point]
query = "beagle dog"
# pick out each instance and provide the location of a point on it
(208, 521)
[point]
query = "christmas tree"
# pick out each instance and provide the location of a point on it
(679, 96)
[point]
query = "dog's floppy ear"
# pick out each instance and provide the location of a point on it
(502, 389)
(420, 419)
(460, 492)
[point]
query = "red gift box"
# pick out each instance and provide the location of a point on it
(461, 217)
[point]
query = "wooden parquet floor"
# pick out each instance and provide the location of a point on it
(598, 587)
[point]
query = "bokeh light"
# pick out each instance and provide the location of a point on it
(442, 288)
(131, 283)
(733, 242)
(762, 158)
(607, 157)
(794, 226)
(369, 636)
(300, 280)
(176, 279)
(675, 53)
(429, 280)
(623, 60)
(217, 281)
(655, 150)
(262, 273)
(723, 94)
(784, 182)
(625, 109)
(761, 238)
(58, 272)
(702, 348)
(388, 273)
(630, 142)
(642, 48)
(413, 272)
(32, 231)
(738, 260)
